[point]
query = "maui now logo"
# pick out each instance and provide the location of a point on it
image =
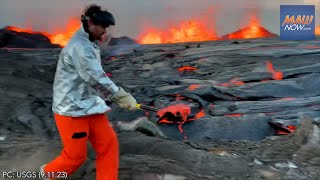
(292, 24)
(297, 22)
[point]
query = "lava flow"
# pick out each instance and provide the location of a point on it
(178, 114)
(233, 82)
(276, 75)
(187, 68)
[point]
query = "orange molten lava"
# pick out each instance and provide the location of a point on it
(253, 30)
(60, 37)
(182, 109)
(233, 82)
(276, 75)
(290, 128)
(200, 114)
(317, 30)
(187, 31)
(233, 115)
(194, 86)
(187, 68)
(181, 113)
(23, 30)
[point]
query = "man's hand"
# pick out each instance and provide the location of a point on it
(124, 100)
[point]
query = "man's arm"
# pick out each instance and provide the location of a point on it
(91, 71)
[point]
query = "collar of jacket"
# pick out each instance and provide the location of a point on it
(83, 33)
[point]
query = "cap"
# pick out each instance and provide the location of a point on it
(103, 18)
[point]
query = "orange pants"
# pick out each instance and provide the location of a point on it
(74, 133)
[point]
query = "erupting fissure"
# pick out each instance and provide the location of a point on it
(191, 30)
(252, 30)
(194, 30)
(187, 31)
(60, 36)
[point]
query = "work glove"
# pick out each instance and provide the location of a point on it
(124, 99)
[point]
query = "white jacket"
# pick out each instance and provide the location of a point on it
(80, 84)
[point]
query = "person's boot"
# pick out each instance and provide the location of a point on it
(42, 171)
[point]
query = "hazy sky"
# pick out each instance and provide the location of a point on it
(132, 15)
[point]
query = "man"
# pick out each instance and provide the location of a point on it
(79, 93)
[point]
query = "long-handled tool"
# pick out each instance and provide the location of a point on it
(176, 116)
(148, 108)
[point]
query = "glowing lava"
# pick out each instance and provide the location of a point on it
(233, 115)
(16, 29)
(194, 86)
(199, 115)
(179, 109)
(233, 82)
(187, 31)
(61, 36)
(178, 114)
(195, 30)
(317, 31)
(290, 128)
(276, 75)
(187, 68)
(253, 30)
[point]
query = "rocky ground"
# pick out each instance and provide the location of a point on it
(240, 86)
